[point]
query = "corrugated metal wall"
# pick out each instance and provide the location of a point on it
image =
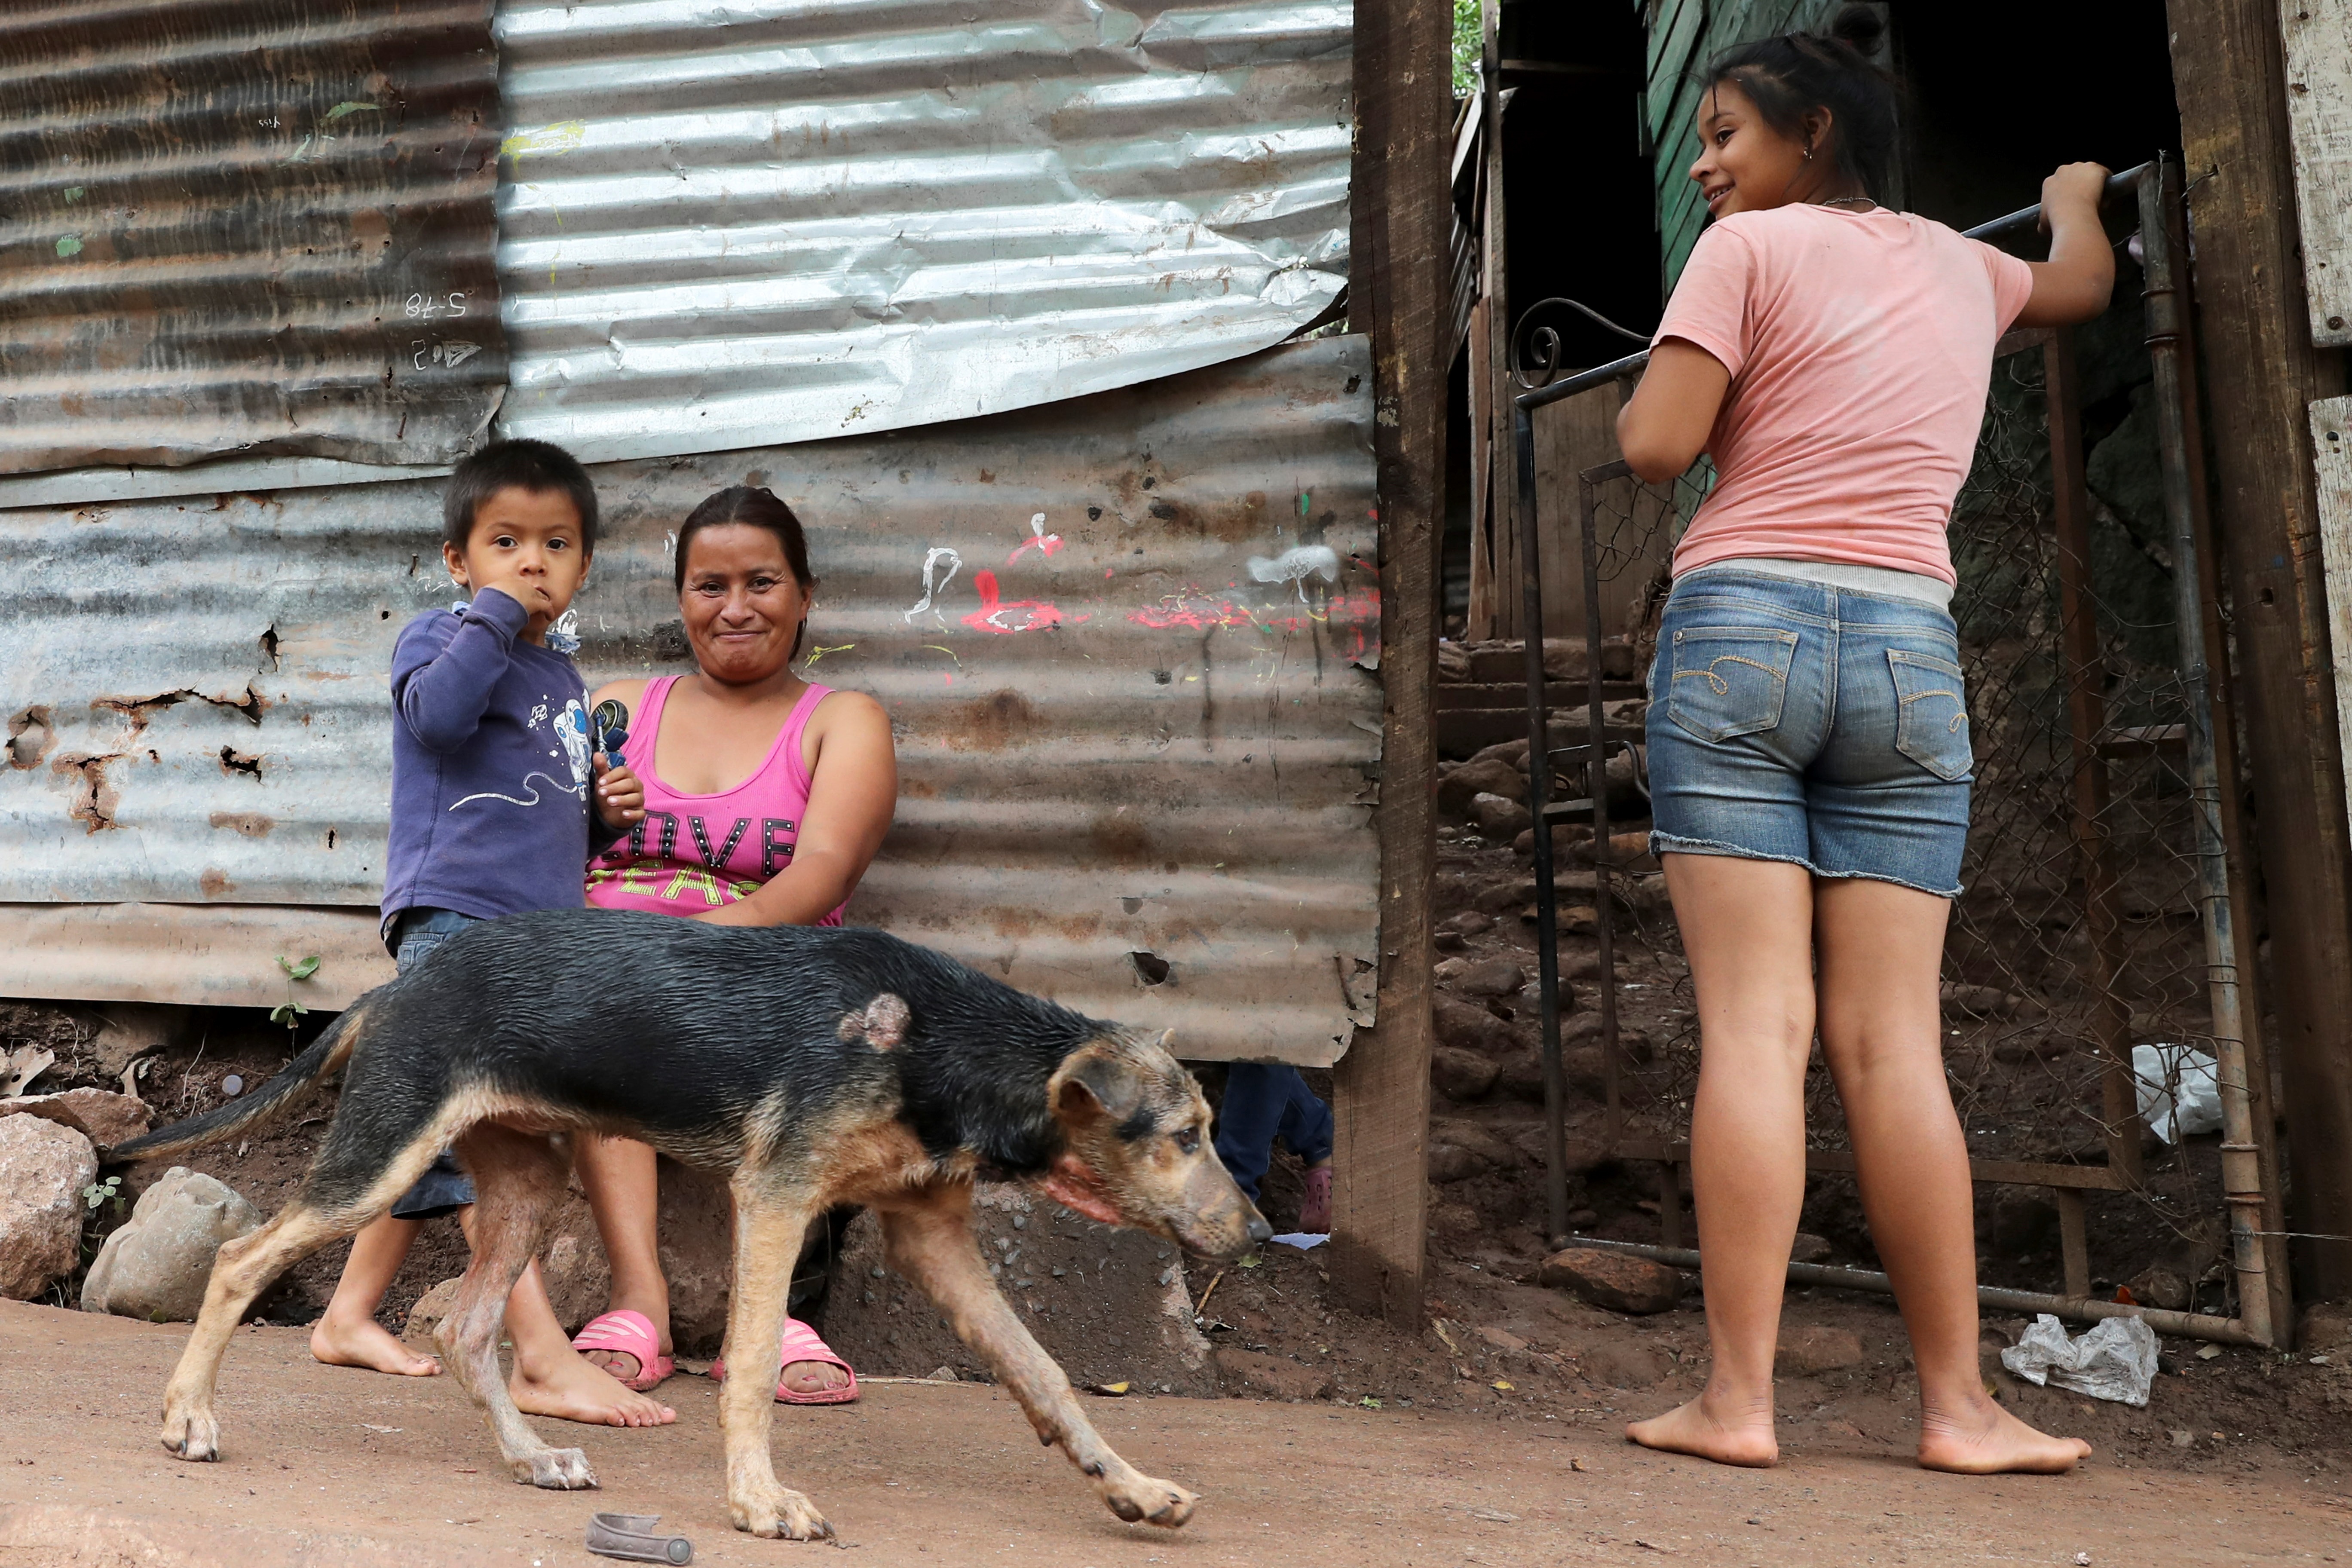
(247, 226)
(734, 225)
(1127, 643)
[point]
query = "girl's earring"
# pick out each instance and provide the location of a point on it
(1809, 151)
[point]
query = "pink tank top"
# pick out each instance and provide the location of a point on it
(698, 852)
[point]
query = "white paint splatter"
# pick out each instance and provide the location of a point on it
(932, 558)
(1295, 565)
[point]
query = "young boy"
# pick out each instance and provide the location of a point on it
(491, 810)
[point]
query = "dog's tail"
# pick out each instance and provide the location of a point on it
(328, 1052)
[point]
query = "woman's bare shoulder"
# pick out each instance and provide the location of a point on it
(631, 693)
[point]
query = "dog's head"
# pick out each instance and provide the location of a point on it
(1134, 1149)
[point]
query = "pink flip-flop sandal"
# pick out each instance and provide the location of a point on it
(801, 1342)
(624, 1333)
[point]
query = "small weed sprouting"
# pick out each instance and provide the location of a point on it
(97, 1195)
(289, 1012)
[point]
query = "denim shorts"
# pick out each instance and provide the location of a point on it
(445, 1188)
(1824, 727)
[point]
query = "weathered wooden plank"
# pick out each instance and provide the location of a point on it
(2318, 36)
(1671, 59)
(1402, 212)
(2331, 443)
(2262, 373)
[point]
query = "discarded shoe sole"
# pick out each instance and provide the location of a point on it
(630, 1536)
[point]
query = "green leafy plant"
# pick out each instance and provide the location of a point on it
(97, 1195)
(289, 1012)
(1469, 43)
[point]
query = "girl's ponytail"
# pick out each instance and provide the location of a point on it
(1789, 76)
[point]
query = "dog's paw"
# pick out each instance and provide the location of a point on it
(191, 1434)
(1140, 1499)
(556, 1469)
(779, 1513)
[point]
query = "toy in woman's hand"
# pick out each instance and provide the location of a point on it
(608, 729)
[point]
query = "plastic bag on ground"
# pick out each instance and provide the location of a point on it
(2115, 1361)
(2180, 1090)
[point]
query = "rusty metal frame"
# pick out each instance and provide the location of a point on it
(2249, 1165)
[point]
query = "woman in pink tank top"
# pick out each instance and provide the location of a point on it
(766, 798)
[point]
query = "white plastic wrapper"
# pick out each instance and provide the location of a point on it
(2115, 1361)
(2180, 1090)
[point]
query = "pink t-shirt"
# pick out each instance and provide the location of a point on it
(698, 852)
(1860, 347)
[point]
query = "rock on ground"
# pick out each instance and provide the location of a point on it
(1459, 1074)
(2325, 1326)
(1811, 1351)
(427, 1314)
(1621, 1366)
(1617, 1280)
(1499, 816)
(1271, 1376)
(44, 1166)
(101, 1116)
(156, 1265)
(1109, 1304)
(1467, 1028)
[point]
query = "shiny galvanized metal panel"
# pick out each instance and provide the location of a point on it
(254, 226)
(1128, 646)
(733, 225)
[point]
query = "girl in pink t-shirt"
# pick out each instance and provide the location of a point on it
(1808, 729)
(766, 797)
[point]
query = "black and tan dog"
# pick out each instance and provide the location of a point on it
(815, 1067)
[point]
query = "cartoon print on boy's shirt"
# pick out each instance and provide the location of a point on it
(570, 728)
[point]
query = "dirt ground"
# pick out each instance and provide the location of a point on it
(328, 1468)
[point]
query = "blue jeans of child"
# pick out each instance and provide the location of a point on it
(445, 1188)
(1262, 1103)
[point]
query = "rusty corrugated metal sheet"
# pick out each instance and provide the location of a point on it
(762, 221)
(257, 226)
(1127, 645)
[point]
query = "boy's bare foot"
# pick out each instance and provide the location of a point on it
(1983, 1440)
(571, 1389)
(1713, 1429)
(367, 1344)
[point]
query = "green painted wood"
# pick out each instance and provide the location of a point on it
(1671, 59)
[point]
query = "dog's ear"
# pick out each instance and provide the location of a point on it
(1094, 1082)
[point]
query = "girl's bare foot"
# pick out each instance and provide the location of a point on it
(366, 1343)
(1722, 1429)
(569, 1388)
(1982, 1439)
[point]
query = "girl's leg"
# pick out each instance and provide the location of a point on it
(348, 1333)
(1308, 1127)
(1248, 1119)
(1747, 928)
(624, 1194)
(1881, 1023)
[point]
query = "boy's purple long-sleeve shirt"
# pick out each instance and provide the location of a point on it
(490, 768)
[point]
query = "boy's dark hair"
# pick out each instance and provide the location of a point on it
(1790, 75)
(538, 465)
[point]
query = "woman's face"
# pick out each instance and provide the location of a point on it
(742, 605)
(1745, 165)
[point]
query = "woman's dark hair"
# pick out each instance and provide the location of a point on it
(536, 466)
(1788, 77)
(749, 508)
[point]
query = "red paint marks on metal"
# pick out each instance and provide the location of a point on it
(993, 615)
(1044, 543)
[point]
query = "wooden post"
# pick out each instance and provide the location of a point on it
(2260, 371)
(1502, 473)
(1397, 291)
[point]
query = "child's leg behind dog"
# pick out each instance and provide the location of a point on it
(519, 1178)
(932, 1244)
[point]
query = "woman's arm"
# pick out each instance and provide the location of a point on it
(2077, 282)
(1663, 426)
(852, 794)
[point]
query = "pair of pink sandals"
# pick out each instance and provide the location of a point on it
(632, 1334)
